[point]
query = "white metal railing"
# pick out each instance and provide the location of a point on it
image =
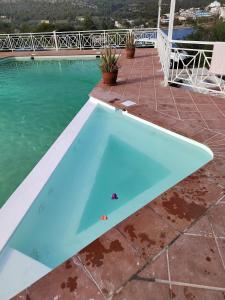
(74, 39)
(187, 63)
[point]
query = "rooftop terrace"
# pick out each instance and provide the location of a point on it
(174, 247)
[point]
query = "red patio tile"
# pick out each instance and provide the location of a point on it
(196, 260)
(108, 251)
(168, 107)
(217, 218)
(68, 281)
(190, 115)
(157, 269)
(206, 107)
(186, 202)
(168, 100)
(143, 290)
(212, 115)
(147, 232)
(186, 107)
(201, 227)
(170, 113)
(191, 293)
(183, 100)
(203, 135)
(216, 124)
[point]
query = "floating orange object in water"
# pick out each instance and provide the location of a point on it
(104, 218)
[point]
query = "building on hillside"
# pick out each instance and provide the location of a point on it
(202, 14)
(165, 19)
(44, 21)
(222, 13)
(214, 8)
(117, 24)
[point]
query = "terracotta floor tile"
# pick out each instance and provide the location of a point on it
(216, 170)
(68, 281)
(203, 135)
(183, 100)
(201, 227)
(168, 100)
(190, 115)
(186, 107)
(202, 99)
(216, 124)
(162, 107)
(217, 217)
(143, 290)
(101, 257)
(179, 92)
(158, 269)
(221, 244)
(170, 113)
(206, 107)
(196, 260)
(212, 115)
(147, 232)
(190, 293)
(186, 202)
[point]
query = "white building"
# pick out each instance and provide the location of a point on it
(222, 13)
(214, 8)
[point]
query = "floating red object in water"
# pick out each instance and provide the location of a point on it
(104, 218)
(114, 196)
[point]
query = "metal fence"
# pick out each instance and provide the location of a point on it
(75, 39)
(183, 64)
(187, 63)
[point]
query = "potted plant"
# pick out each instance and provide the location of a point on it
(130, 45)
(109, 66)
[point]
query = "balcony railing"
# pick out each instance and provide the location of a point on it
(75, 39)
(187, 64)
(184, 63)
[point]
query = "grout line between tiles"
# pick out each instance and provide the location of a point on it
(217, 245)
(90, 276)
(180, 283)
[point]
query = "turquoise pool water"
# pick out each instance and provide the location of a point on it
(37, 100)
(113, 153)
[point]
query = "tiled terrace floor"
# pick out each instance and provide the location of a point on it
(174, 247)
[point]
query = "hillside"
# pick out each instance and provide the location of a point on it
(25, 15)
(24, 10)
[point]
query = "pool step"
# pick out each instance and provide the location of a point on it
(18, 271)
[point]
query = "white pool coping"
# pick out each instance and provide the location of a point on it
(49, 57)
(15, 208)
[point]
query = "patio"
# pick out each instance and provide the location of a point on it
(174, 247)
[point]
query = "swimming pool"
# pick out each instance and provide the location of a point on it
(113, 152)
(38, 98)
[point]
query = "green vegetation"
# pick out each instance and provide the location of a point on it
(109, 61)
(130, 42)
(26, 15)
(214, 33)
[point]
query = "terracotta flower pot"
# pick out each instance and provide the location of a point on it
(130, 53)
(110, 78)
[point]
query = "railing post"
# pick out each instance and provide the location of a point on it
(55, 40)
(32, 42)
(159, 14)
(104, 38)
(10, 43)
(167, 63)
(80, 43)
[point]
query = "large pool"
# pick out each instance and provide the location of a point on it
(38, 98)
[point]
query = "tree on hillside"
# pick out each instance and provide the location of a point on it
(88, 23)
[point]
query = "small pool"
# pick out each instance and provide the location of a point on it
(38, 98)
(112, 153)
